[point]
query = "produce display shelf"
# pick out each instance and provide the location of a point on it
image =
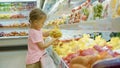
(1, 28)
(16, 11)
(103, 25)
(17, 19)
(87, 28)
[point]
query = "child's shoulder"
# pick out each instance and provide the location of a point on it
(34, 30)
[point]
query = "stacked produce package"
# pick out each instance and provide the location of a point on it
(90, 10)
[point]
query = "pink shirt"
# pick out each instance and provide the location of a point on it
(34, 53)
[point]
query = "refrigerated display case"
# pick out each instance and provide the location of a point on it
(14, 21)
(81, 37)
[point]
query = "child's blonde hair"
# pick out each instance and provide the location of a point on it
(36, 14)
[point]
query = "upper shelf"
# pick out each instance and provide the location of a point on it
(20, 19)
(103, 25)
(17, 0)
(15, 12)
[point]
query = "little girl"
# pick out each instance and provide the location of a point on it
(36, 45)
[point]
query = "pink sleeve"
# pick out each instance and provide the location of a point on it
(35, 36)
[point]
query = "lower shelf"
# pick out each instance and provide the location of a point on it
(13, 41)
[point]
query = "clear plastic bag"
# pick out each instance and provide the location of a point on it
(54, 56)
(47, 62)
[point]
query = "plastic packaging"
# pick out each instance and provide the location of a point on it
(107, 63)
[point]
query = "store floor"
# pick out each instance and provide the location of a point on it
(12, 59)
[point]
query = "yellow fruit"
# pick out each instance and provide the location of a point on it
(100, 41)
(115, 43)
(113, 3)
(56, 33)
(118, 11)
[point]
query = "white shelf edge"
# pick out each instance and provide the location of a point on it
(1, 28)
(17, 0)
(13, 37)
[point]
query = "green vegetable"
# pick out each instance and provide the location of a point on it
(85, 11)
(115, 34)
(98, 11)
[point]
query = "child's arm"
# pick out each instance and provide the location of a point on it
(45, 45)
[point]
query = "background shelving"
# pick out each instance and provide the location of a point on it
(14, 21)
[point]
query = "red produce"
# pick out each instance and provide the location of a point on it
(98, 48)
(89, 51)
(84, 17)
(116, 54)
(107, 49)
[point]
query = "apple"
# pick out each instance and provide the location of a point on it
(84, 17)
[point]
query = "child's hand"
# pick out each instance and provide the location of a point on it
(55, 40)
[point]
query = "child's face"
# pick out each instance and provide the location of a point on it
(39, 23)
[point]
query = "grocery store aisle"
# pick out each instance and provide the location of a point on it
(12, 59)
